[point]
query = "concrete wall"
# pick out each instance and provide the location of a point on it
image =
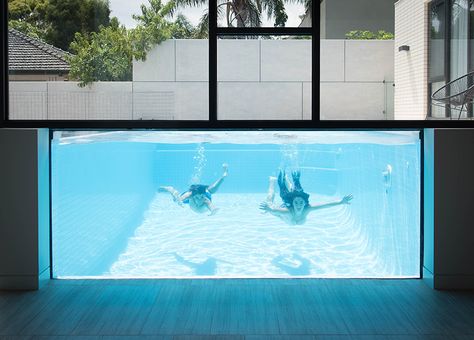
(24, 208)
(449, 234)
(411, 67)
(342, 16)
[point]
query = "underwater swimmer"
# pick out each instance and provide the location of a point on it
(296, 206)
(198, 196)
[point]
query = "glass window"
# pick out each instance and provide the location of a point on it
(357, 60)
(356, 79)
(279, 13)
(131, 204)
(471, 35)
(264, 78)
(108, 60)
(459, 38)
(437, 42)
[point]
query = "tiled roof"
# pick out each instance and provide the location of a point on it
(29, 54)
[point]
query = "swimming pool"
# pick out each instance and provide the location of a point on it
(110, 220)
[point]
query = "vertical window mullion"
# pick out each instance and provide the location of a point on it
(447, 49)
(4, 60)
(469, 52)
(315, 61)
(212, 60)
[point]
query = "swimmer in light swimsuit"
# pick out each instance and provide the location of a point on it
(296, 206)
(198, 196)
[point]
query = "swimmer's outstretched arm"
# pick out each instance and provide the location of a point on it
(345, 200)
(265, 206)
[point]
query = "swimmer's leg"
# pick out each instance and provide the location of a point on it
(271, 190)
(211, 207)
(175, 194)
(296, 180)
(289, 183)
(215, 186)
(282, 183)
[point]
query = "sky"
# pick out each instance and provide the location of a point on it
(123, 10)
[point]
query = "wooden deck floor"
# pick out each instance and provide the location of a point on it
(237, 309)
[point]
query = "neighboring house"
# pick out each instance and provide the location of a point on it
(338, 17)
(31, 59)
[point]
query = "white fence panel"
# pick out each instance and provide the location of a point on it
(28, 100)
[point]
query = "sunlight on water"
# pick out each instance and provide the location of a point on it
(241, 241)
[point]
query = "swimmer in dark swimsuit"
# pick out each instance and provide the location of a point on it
(296, 206)
(198, 196)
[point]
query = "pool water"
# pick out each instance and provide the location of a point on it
(110, 219)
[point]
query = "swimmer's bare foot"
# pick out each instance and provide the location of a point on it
(225, 170)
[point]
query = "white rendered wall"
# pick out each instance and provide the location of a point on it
(356, 79)
(257, 79)
(273, 77)
(411, 67)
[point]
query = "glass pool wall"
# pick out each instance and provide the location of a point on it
(109, 219)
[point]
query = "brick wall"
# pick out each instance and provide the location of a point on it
(411, 67)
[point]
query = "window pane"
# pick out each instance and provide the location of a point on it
(341, 17)
(471, 35)
(117, 60)
(357, 60)
(437, 41)
(357, 79)
(279, 13)
(438, 109)
(264, 78)
(459, 38)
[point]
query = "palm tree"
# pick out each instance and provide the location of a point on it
(245, 13)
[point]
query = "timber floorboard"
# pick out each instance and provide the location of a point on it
(237, 309)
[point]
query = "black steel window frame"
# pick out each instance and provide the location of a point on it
(213, 122)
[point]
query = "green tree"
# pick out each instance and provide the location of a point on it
(246, 13)
(28, 29)
(107, 55)
(183, 29)
(30, 11)
(68, 17)
(103, 55)
(369, 35)
(29, 17)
